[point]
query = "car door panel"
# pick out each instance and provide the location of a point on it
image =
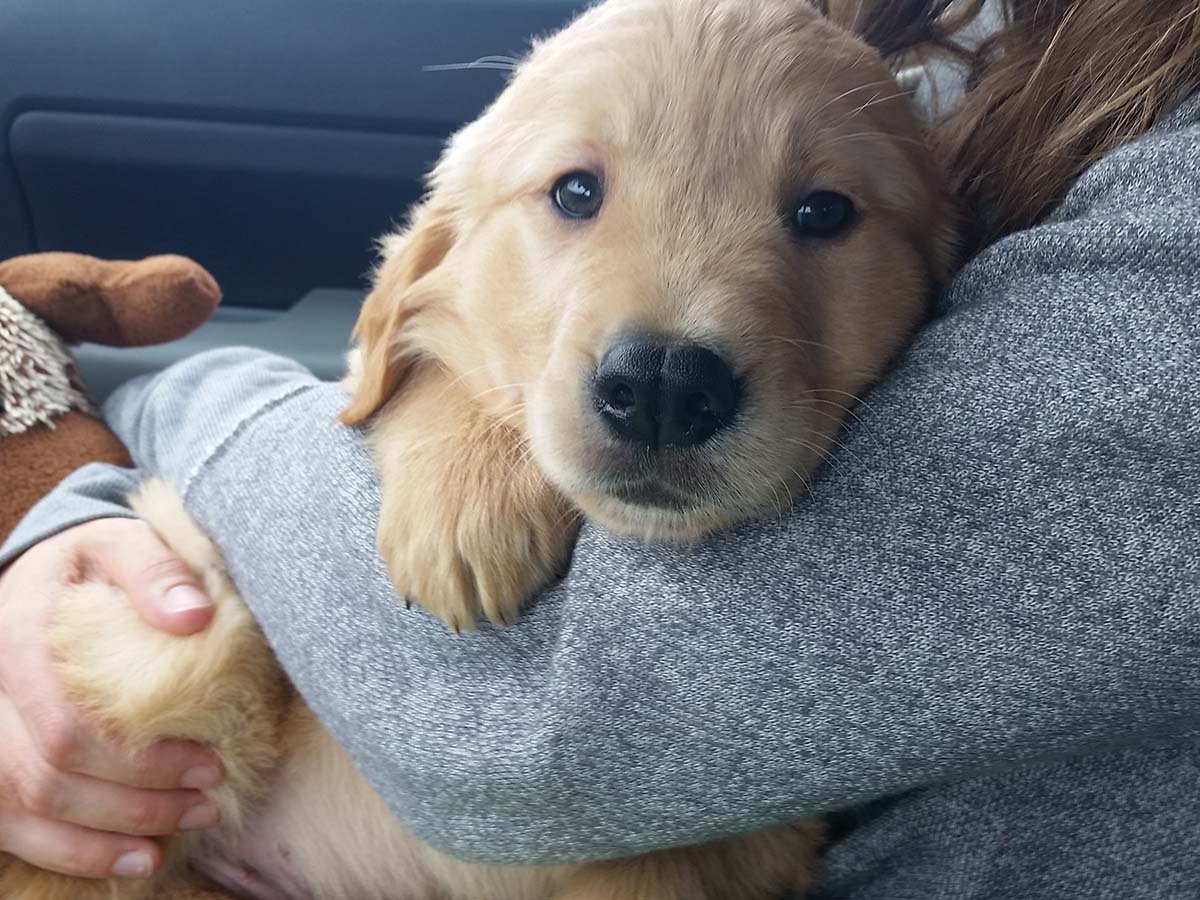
(272, 141)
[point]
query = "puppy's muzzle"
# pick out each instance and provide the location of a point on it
(656, 395)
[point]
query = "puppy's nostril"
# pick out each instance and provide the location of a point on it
(625, 390)
(699, 396)
(621, 397)
(698, 404)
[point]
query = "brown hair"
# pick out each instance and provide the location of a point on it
(1059, 85)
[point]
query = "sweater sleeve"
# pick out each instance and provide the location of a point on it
(172, 423)
(998, 568)
(96, 491)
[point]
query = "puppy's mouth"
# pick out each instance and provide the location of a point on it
(655, 499)
(651, 493)
(668, 484)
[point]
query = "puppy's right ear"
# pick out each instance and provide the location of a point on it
(395, 298)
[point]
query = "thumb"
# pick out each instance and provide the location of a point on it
(165, 592)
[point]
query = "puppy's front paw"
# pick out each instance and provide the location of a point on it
(473, 531)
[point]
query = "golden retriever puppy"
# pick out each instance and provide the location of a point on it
(649, 280)
(646, 284)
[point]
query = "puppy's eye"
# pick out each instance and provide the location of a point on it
(822, 214)
(578, 195)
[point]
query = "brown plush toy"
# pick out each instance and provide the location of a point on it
(49, 300)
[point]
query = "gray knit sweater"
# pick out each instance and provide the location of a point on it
(982, 629)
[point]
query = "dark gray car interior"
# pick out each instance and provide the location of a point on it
(272, 141)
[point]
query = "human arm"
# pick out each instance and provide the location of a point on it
(998, 568)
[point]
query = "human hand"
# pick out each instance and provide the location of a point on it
(71, 800)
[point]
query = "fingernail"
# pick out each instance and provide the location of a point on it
(184, 598)
(203, 816)
(135, 864)
(200, 778)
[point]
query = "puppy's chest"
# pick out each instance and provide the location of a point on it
(322, 833)
(256, 863)
(276, 856)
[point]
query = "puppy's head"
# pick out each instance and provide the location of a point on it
(671, 253)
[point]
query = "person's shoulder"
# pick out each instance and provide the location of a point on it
(1114, 259)
(1144, 180)
(1182, 116)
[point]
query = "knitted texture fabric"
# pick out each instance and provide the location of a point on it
(981, 627)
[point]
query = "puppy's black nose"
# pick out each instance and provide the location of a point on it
(664, 395)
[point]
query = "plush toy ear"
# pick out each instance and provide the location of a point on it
(121, 304)
(408, 257)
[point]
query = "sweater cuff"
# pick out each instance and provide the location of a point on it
(94, 492)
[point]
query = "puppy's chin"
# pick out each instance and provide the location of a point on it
(630, 496)
(652, 517)
(656, 513)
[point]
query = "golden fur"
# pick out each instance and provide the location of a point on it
(706, 118)
(491, 311)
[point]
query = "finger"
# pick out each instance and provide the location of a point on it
(57, 739)
(70, 745)
(34, 711)
(164, 591)
(104, 806)
(80, 852)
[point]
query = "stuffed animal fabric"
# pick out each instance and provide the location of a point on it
(48, 425)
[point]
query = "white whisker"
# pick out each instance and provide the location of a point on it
(862, 87)
(877, 99)
(493, 63)
(800, 342)
(854, 397)
(844, 138)
(848, 427)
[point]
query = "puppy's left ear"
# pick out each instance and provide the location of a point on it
(394, 299)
